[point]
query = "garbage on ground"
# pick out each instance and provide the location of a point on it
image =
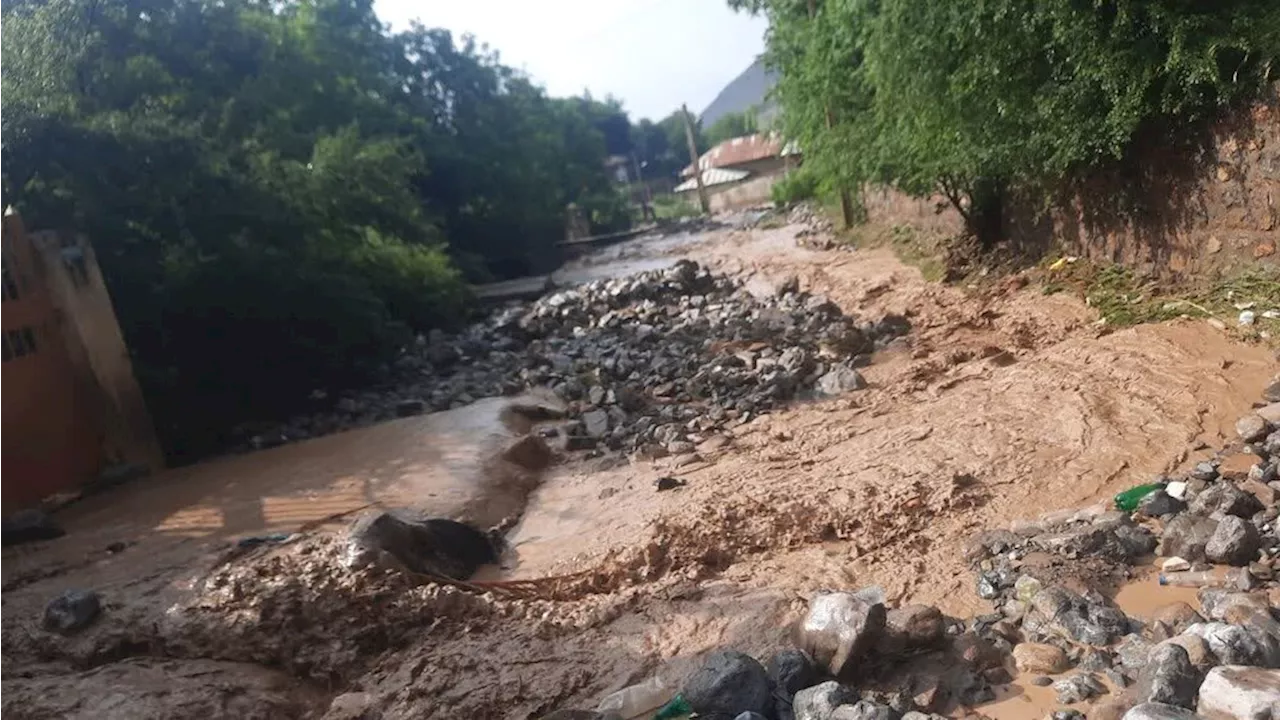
(1200, 578)
(1247, 317)
(677, 708)
(1176, 490)
(1129, 499)
(636, 700)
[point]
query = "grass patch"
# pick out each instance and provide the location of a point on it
(672, 207)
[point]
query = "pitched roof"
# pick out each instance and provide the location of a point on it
(712, 177)
(739, 150)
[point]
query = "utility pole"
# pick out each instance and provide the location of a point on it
(846, 202)
(693, 157)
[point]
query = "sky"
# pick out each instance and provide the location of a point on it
(653, 55)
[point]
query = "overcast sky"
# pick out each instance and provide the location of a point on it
(651, 54)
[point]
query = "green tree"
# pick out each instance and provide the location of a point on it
(730, 126)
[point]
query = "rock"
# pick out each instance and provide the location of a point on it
(840, 380)
(1237, 608)
(862, 710)
(1186, 535)
(750, 716)
(667, 482)
(729, 682)
(820, 701)
(1176, 617)
(1169, 677)
(1095, 660)
(790, 671)
(1204, 471)
(1160, 711)
(408, 408)
(1269, 412)
(976, 651)
(596, 423)
(1197, 649)
(71, 611)
(1067, 714)
(787, 285)
(1058, 611)
(912, 627)
(27, 526)
(1252, 428)
(1040, 658)
(1079, 688)
(841, 627)
(1224, 498)
(396, 539)
(1133, 652)
(1042, 681)
(1235, 542)
(1239, 644)
(530, 452)
(1232, 692)
(1160, 504)
(363, 706)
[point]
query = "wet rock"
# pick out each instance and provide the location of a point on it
(862, 710)
(1067, 714)
(820, 701)
(912, 627)
(1040, 658)
(840, 380)
(1169, 677)
(1160, 711)
(396, 539)
(1186, 536)
(1223, 498)
(1042, 681)
(1252, 428)
(1058, 611)
(530, 452)
(1240, 693)
(1234, 542)
(71, 611)
(27, 526)
(1095, 659)
(1079, 688)
(1197, 649)
(1174, 618)
(1133, 652)
(730, 683)
(990, 543)
(790, 671)
(1239, 644)
(1237, 608)
(840, 628)
(976, 651)
(1160, 504)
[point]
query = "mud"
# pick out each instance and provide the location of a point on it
(1001, 404)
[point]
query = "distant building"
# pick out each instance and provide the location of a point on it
(742, 170)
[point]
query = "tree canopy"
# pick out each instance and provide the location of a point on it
(971, 99)
(279, 193)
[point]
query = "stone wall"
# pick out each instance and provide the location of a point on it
(1179, 212)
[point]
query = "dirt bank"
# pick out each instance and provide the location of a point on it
(1000, 404)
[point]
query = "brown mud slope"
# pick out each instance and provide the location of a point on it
(1000, 404)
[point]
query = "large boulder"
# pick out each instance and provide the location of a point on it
(1234, 542)
(912, 627)
(1169, 677)
(1159, 711)
(790, 671)
(863, 710)
(396, 539)
(1040, 658)
(1224, 498)
(841, 627)
(729, 683)
(1232, 692)
(1056, 611)
(1239, 644)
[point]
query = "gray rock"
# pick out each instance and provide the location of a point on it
(1160, 504)
(820, 701)
(1272, 392)
(1133, 652)
(27, 526)
(1067, 714)
(1079, 688)
(840, 628)
(596, 423)
(1186, 536)
(910, 628)
(730, 683)
(1169, 677)
(1058, 611)
(71, 611)
(1252, 427)
(1159, 711)
(791, 671)
(1223, 498)
(397, 539)
(1204, 471)
(749, 715)
(1239, 644)
(863, 710)
(1240, 693)
(1235, 542)
(840, 380)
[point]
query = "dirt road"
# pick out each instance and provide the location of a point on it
(1000, 404)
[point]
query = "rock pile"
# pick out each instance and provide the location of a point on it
(654, 363)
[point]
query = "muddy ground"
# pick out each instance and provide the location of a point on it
(1002, 403)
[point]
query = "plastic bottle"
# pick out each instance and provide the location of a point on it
(636, 700)
(677, 708)
(1129, 499)
(1191, 578)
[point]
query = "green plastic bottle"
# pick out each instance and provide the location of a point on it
(678, 707)
(1129, 499)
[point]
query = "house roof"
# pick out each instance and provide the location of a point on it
(712, 177)
(739, 150)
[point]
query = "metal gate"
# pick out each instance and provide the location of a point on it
(51, 443)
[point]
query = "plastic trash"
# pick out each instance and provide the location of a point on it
(1129, 499)
(636, 700)
(1176, 490)
(1247, 317)
(677, 708)
(1199, 578)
